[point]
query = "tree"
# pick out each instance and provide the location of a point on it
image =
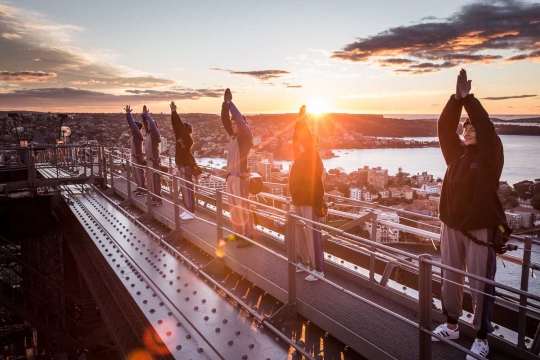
(523, 189)
(535, 201)
(511, 202)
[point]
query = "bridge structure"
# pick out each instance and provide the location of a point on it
(123, 279)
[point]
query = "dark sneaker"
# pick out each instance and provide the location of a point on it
(157, 203)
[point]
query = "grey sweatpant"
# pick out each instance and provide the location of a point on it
(462, 253)
(241, 219)
(309, 239)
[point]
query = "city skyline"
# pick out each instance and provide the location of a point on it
(349, 56)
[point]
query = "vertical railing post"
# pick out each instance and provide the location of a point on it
(424, 307)
(111, 168)
(219, 214)
(522, 315)
(176, 200)
(92, 162)
(373, 237)
(128, 178)
(149, 177)
(100, 156)
(291, 257)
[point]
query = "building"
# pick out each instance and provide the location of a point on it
(264, 168)
(378, 177)
(513, 219)
(212, 182)
(424, 177)
(429, 188)
(384, 234)
(529, 216)
(163, 145)
(356, 194)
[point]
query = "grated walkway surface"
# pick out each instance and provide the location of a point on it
(394, 337)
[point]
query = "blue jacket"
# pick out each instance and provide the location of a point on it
(137, 135)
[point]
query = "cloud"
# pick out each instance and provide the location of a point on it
(395, 61)
(416, 71)
(429, 65)
(262, 75)
(525, 56)
(508, 97)
(71, 97)
(50, 48)
(289, 86)
(26, 76)
(11, 36)
(89, 82)
(477, 33)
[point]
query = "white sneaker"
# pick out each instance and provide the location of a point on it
(479, 347)
(186, 216)
(310, 277)
(445, 332)
(300, 267)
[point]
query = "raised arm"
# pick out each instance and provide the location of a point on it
(180, 131)
(151, 122)
(448, 124)
(136, 131)
(243, 128)
(301, 134)
(225, 120)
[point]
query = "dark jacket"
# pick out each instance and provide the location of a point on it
(469, 199)
(150, 124)
(305, 177)
(245, 137)
(137, 135)
(184, 142)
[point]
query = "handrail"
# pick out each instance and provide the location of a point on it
(424, 263)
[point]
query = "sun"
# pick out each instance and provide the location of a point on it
(317, 106)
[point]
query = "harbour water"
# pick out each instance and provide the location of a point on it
(521, 159)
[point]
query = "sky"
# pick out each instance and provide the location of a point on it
(368, 57)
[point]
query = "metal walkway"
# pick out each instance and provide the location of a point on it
(185, 311)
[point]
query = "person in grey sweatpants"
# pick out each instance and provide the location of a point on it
(237, 170)
(307, 191)
(470, 211)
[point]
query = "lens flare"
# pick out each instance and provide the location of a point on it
(139, 354)
(154, 343)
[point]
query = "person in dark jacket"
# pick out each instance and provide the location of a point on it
(151, 148)
(184, 160)
(237, 170)
(137, 153)
(469, 205)
(307, 191)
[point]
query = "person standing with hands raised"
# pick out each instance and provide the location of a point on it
(237, 170)
(137, 155)
(184, 160)
(151, 148)
(307, 191)
(471, 213)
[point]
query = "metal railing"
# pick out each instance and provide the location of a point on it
(21, 167)
(424, 265)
